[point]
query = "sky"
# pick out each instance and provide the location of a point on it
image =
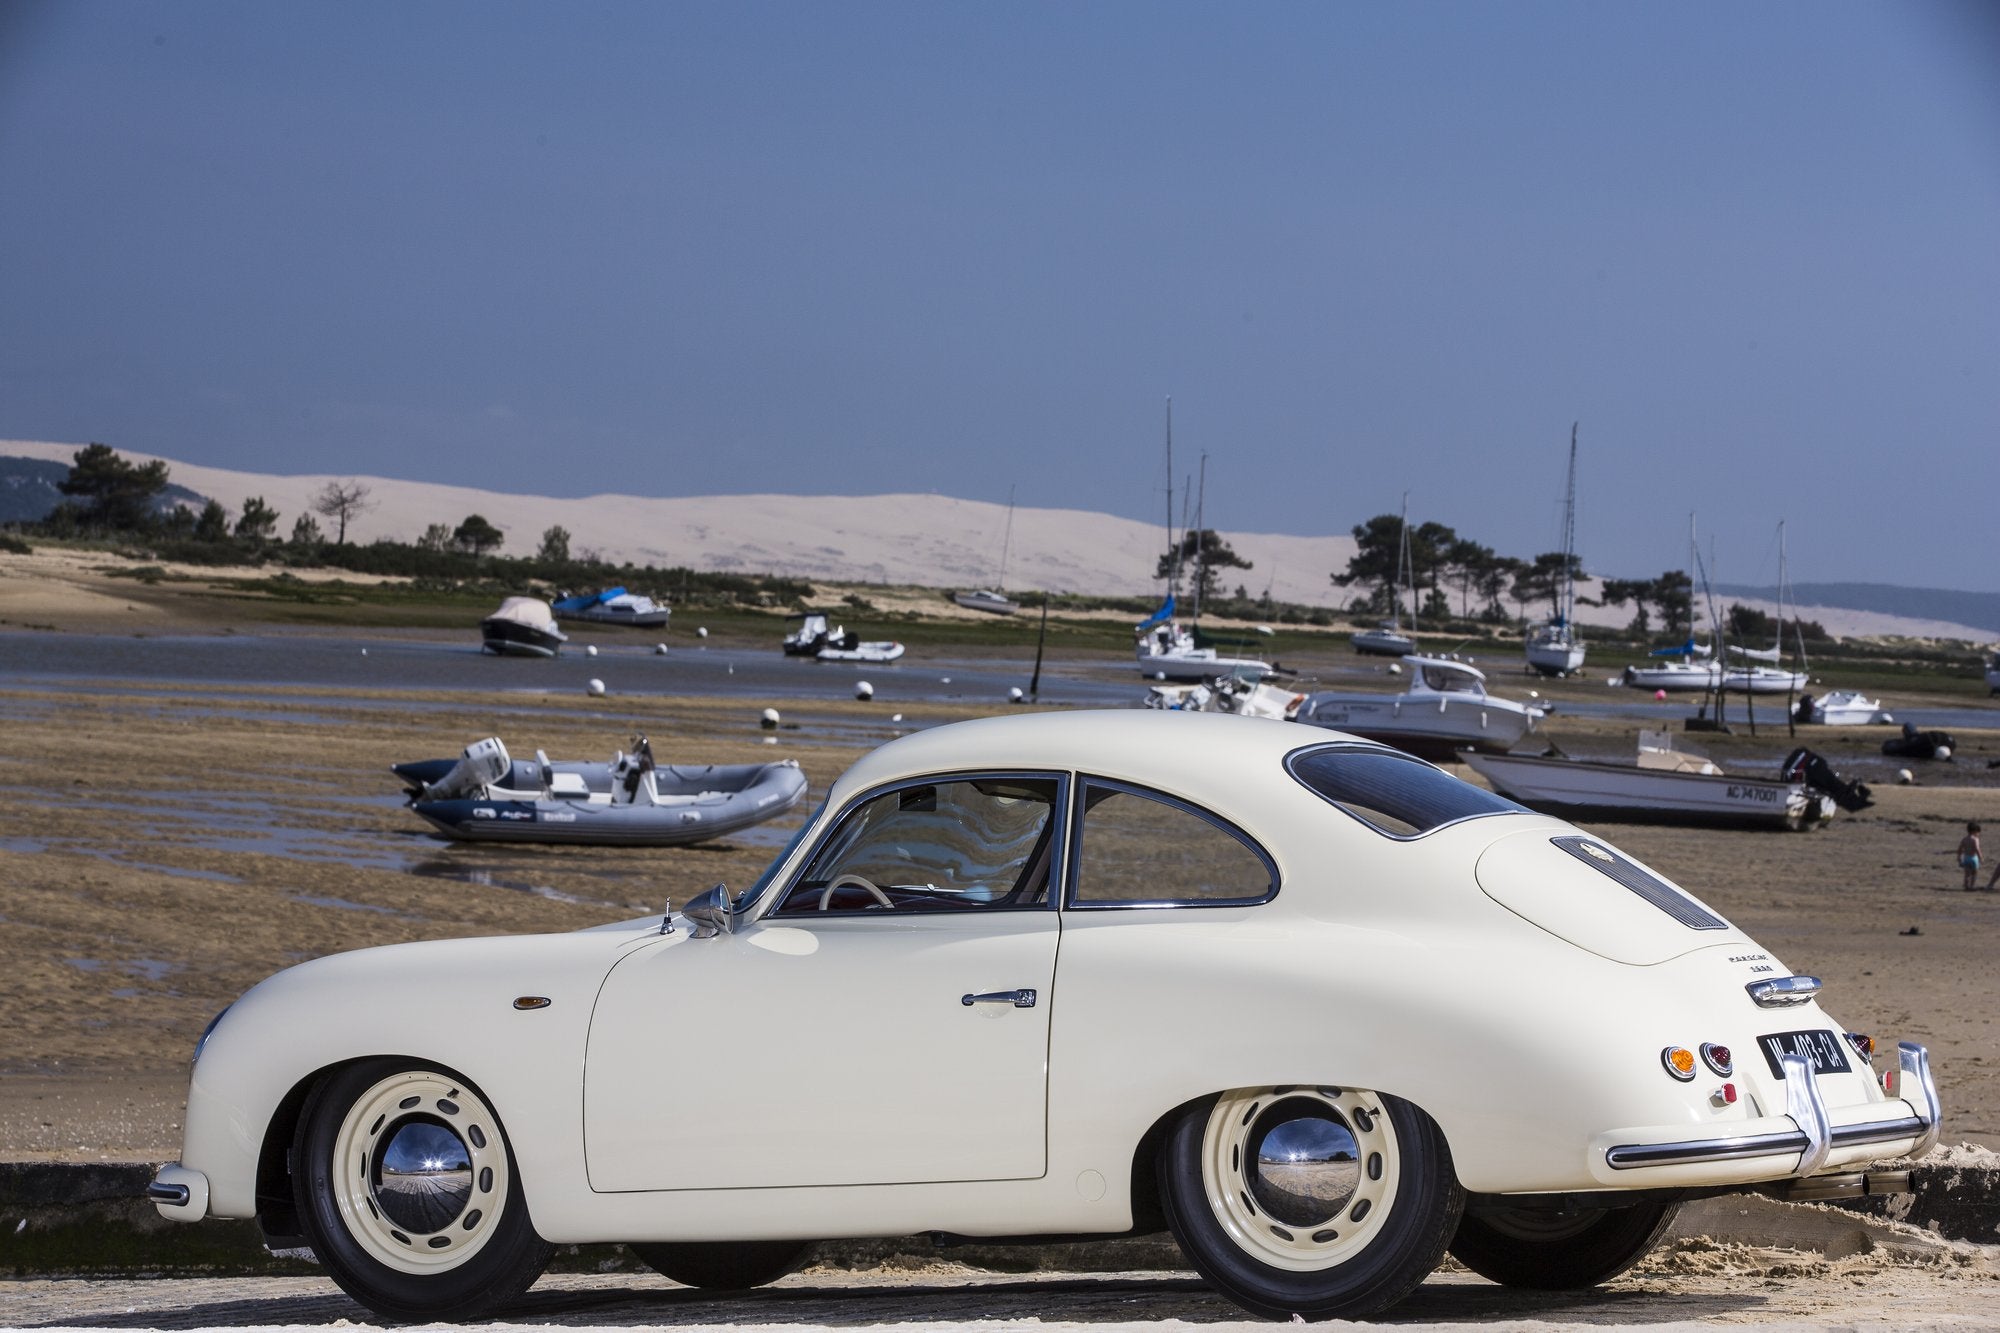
(1753, 251)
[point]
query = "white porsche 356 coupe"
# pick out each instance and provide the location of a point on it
(1318, 1008)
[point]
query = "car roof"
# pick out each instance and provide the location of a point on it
(1182, 752)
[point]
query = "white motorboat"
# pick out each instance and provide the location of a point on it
(985, 599)
(1665, 786)
(878, 650)
(1240, 695)
(1385, 640)
(1841, 708)
(1167, 650)
(1555, 648)
(615, 606)
(522, 627)
(1444, 709)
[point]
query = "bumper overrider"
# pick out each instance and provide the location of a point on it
(1801, 1142)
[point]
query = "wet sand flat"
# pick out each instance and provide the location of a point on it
(166, 850)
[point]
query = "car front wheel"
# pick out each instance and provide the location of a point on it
(1546, 1250)
(723, 1265)
(406, 1189)
(1319, 1202)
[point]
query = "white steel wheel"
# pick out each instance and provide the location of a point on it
(419, 1172)
(1300, 1177)
(1316, 1201)
(407, 1191)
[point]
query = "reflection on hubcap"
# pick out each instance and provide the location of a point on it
(1303, 1162)
(422, 1177)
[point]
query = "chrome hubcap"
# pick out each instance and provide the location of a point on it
(1303, 1162)
(421, 1175)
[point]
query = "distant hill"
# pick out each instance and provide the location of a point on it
(1981, 610)
(28, 490)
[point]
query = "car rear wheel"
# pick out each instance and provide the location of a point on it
(1319, 1202)
(406, 1188)
(1546, 1250)
(723, 1265)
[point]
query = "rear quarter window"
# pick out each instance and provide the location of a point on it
(1392, 793)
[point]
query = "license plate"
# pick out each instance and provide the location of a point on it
(1826, 1051)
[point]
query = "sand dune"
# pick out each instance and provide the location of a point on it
(930, 540)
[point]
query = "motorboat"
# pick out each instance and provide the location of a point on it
(1444, 709)
(1168, 650)
(614, 606)
(862, 650)
(1244, 696)
(487, 796)
(986, 599)
(1666, 785)
(522, 627)
(1555, 648)
(1840, 708)
(818, 637)
(1385, 640)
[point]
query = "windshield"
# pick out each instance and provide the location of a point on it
(1392, 793)
(755, 891)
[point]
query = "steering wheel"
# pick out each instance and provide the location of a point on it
(840, 882)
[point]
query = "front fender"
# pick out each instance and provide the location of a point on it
(446, 1002)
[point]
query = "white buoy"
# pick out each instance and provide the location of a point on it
(596, 688)
(863, 690)
(770, 740)
(895, 717)
(1395, 668)
(590, 650)
(1014, 695)
(1942, 752)
(769, 721)
(659, 650)
(944, 680)
(364, 652)
(1534, 694)
(701, 632)
(1905, 776)
(1159, 675)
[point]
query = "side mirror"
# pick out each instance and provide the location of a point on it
(709, 914)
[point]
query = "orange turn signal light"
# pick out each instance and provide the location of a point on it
(1679, 1062)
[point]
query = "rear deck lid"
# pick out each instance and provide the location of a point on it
(1588, 892)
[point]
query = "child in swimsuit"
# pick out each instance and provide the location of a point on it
(1968, 855)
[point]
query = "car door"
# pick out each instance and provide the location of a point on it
(884, 1021)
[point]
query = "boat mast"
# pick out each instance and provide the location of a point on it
(1569, 545)
(1173, 546)
(1201, 499)
(1006, 541)
(1405, 569)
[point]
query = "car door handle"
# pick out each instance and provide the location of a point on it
(1020, 999)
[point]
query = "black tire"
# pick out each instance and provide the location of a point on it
(723, 1265)
(1357, 1261)
(1544, 1250)
(452, 1243)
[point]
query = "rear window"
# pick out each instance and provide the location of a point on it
(1392, 793)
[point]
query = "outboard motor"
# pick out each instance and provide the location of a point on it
(1802, 765)
(483, 764)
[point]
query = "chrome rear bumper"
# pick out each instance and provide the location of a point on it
(1814, 1136)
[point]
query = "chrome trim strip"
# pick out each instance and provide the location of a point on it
(160, 1192)
(1808, 1111)
(1783, 992)
(1914, 1062)
(1628, 1156)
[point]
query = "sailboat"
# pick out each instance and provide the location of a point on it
(1753, 675)
(1387, 638)
(1555, 648)
(1696, 668)
(993, 599)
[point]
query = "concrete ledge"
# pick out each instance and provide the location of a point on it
(58, 1219)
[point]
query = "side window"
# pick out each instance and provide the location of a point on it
(1138, 848)
(955, 845)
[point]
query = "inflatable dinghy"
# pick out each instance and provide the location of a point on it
(487, 796)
